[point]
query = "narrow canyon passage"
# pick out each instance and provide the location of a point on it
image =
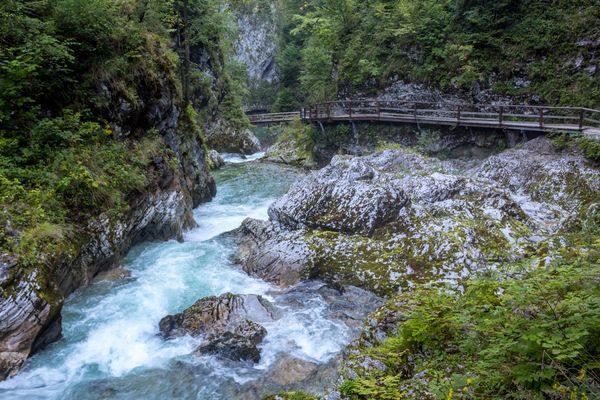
(111, 347)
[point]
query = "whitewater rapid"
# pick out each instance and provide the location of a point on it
(111, 348)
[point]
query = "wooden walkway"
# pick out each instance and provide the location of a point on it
(523, 118)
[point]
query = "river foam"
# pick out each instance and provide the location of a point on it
(111, 347)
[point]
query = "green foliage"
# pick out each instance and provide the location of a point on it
(590, 147)
(428, 139)
(69, 170)
(515, 333)
(290, 396)
(339, 47)
(68, 70)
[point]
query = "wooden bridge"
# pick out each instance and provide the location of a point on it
(514, 117)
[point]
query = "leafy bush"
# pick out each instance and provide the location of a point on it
(507, 336)
(590, 148)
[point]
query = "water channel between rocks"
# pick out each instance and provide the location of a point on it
(111, 348)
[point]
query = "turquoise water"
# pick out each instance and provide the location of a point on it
(111, 348)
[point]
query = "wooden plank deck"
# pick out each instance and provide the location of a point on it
(523, 118)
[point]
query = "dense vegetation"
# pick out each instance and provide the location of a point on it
(536, 50)
(530, 330)
(67, 67)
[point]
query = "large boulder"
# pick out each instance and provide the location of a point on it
(237, 345)
(543, 177)
(227, 139)
(271, 252)
(228, 324)
(386, 221)
(348, 196)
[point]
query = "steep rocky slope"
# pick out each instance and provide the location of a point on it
(33, 293)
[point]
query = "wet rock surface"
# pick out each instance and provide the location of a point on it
(291, 374)
(227, 323)
(231, 327)
(215, 315)
(270, 251)
(237, 345)
(216, 159)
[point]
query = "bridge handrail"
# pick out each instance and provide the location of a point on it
(498, 115)
(501, 113)
(444, 103)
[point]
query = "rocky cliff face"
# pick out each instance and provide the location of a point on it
(32, 295)
(225, 124)
(256, 43)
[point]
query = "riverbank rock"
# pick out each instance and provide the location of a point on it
(226, 139)
(113, 275)
(228, 324)
(237, 345)
(543, 178)
(216, 160)
(272, 252)
(347, 196)
(389, 220)
(290, 152)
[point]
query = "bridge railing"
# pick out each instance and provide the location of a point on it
(274, 117)
(574, 118)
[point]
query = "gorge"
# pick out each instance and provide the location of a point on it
(155, 244)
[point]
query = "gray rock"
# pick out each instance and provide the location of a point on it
(29, 315)
(347, 196)
(216, 159)
(227, 323)
(112, 275)
(391, 219)
(269, 252)
(226, 139)
(292, 374)
(548, 184)
(256, 42)
(239, 345)
(214, 315)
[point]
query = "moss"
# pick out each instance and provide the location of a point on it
(590, 148)
(294, 144)
(419, 248)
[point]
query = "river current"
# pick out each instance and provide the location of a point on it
(110, 347)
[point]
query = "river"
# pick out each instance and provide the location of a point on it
(110, 346)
